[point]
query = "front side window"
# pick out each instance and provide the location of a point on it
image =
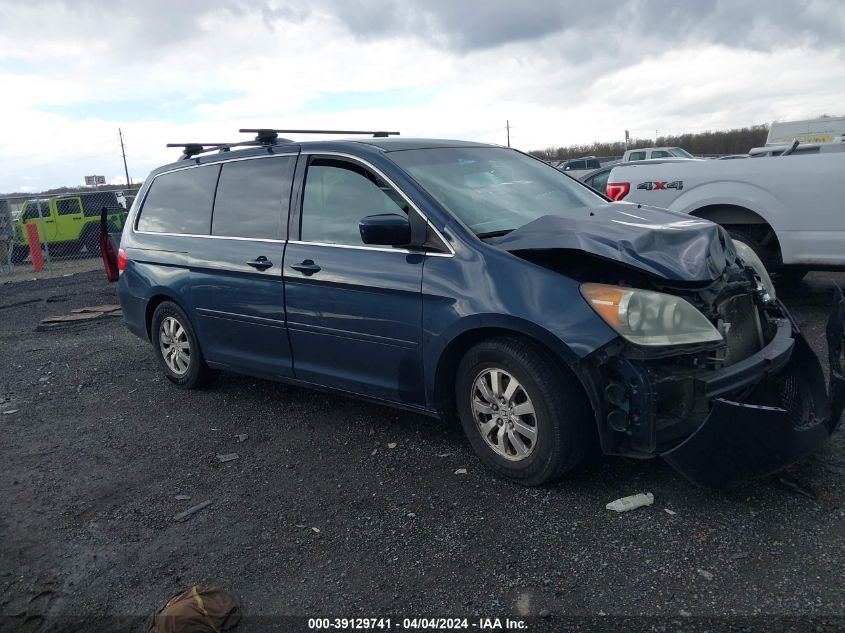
(636, 156)
(68, 206)
(680, 153)
(659, 153)
(180, 202)
(338, 195)
(253, 198)
(494, 190)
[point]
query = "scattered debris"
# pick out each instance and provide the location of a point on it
(705, 574)
(242, 437)
(301, 526)
(187, 514)
(411, 515)
(445, 454)
(10, 411)
(198, 610)
(740, 555)
(104, 309)
(44, 379)
(631, 503)
(670, 512)
(182, 497)
(316, 530)
(78, 316)
(461, 471)
(798, 487)
(373, 454)
(684, 613)
(545, 613)
(391, 445)
(227, 457)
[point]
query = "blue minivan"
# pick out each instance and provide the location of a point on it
(475, 283)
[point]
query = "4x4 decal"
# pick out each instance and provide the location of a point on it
(649, 186)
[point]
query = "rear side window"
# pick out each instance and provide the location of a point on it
(599, 181)
(180, 202)
(593, 163)
(30, 211)
(636, 156)
(659, 153)
(253, 198)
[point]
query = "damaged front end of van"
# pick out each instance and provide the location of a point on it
(709, 371)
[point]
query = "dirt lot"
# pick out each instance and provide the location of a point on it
(320, 516)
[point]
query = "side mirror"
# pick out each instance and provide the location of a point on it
(386, 229)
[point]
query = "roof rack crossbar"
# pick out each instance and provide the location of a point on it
(192, 149)
(268, 131)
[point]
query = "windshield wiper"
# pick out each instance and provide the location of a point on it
(498, 233)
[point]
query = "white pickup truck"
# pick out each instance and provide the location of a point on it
(790, 209)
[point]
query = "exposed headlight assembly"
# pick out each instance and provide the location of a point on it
(649, 318)
(747, 254)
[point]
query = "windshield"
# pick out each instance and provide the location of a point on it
(680, 153)
(494, 190)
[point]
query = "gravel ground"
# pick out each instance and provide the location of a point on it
(340, 508)
(58, 267)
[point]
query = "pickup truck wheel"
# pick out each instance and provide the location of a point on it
(177, 348)
(784, 276)
(523, 415)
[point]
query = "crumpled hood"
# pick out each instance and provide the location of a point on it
(671, 245)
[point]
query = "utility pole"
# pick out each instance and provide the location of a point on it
(123, 151)
(508, 128)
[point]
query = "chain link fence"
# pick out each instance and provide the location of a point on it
(57, 235)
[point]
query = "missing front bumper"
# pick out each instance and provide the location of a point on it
(740, 441)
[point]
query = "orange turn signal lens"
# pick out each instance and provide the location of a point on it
(605, 300)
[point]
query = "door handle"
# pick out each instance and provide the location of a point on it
(261, 263)
(308, 267)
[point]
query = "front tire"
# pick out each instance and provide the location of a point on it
(784, 276)
(524, 416)
(177, 348)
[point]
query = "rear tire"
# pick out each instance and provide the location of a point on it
(525, 416)
(177, 348)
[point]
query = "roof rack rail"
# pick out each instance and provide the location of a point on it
(266, 132)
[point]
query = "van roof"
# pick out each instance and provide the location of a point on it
(375, 144)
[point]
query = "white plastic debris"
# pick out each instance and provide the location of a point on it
(669, 512)
(391, 445)
(461, 471)
(631, 503)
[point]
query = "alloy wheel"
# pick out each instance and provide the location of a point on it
(174, 345)
(504, 414)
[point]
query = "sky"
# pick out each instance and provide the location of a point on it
(561, 71)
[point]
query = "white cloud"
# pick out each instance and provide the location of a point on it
(201, 70)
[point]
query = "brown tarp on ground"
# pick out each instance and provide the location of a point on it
(197, 610)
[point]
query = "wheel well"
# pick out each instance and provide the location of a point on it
(152, 304)
(736, 218)
(447, 366)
